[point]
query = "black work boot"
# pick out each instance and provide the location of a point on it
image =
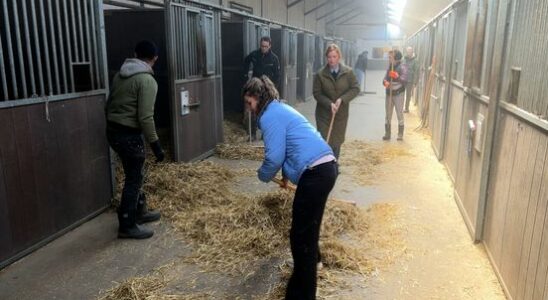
(400, 133)
(129, 229)
(143, 214)
(387, 133)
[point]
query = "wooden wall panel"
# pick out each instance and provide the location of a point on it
(518, 198)
(499, 187)
(7, 163)
(55, 172)
(199, 130)
(467, 181)
(533, 232)
(454, 122)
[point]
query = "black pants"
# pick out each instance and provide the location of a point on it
(131, 149)
(308, 207)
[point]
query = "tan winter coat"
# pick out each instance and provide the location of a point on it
(327, 90)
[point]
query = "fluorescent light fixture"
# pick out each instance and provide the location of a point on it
(394, 9)
(394, 31)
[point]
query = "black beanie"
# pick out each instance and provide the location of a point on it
(146, 50)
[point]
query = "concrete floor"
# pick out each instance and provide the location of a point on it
(441, 262)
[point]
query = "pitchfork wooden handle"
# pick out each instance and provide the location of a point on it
(330, 127)
(280, 182)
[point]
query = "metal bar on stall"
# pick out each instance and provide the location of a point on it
(88, 40)
(80, 31)
(54, 48)
(74, 35)
(69, 45)
(20, 49)
(46, 46)
(102, 40)
(95, 46)
(61, 47)
(10, 50)
(37, 50)
(29, 48)
(180, 33)
(176, 41)
(3, 72)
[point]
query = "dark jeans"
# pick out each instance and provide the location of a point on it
(308, 207)
(409, 89)
(131, 149)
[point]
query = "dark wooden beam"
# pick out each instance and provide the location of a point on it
(335, 10)
(289, 5)
(359, 12)
(317, 7)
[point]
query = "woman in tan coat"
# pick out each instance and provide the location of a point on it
(335, 85)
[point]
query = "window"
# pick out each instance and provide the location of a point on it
(193, 43)
(292, 48)
(461, 30)
(200, 47)
(209, 32)
(311, 48)
(252, 40)
(47, 52)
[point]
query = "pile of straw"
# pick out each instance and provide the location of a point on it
(230, 231)
(236, 145)
(139, 287)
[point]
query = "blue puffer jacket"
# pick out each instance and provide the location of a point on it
(291, 143)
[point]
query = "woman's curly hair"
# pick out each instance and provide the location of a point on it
(262, 88)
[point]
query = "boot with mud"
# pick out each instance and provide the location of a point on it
(400, 133)
(143, 214)
(129, 229)
(387, 133)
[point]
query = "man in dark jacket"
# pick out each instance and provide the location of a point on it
(359, 69)
(412, 76)
(264, 62)
(394, 82)
(130, 115)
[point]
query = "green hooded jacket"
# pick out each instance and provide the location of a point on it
(327, 90)
(132, 97)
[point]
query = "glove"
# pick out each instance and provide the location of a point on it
(386, 83)
(393, 74)
(157, 150)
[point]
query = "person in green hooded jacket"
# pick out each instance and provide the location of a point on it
(130, 115)
(335, 85)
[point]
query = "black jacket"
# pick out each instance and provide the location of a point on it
(361, 63)
(267, 64)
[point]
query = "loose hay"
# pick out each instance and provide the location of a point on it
(240, 151)
(361, 158)
(140, 287)
(236, 145)
(230, 231)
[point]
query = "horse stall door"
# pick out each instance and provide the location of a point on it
(196, 81)
(291, 68)
(277, 34)
(309, 78)
(302, 60)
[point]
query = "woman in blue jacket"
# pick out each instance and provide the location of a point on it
(293, 145)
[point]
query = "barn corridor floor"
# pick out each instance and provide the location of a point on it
(437, 260)
(440, 259)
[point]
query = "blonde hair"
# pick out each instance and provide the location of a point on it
(331, 48)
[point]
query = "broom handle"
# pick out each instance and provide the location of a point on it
(330, 127)
(294, 188)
